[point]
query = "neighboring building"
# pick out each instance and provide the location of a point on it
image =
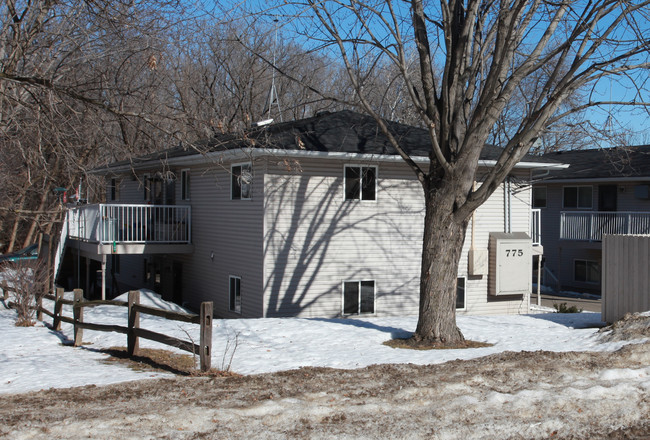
(315, 218)
(603, 191)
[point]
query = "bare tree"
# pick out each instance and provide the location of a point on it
(488, 54)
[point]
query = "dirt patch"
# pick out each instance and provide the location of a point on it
(150, 359)
(631, 326)
(498, 396)
(412, 344)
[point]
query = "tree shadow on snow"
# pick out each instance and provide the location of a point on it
(573, 320)
(395, 332)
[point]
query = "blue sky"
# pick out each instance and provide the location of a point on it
(634, 119)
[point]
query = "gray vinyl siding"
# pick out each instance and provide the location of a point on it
(561, 254)
(232, 231)
(315, 240)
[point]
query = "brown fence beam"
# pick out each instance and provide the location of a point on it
(78, 313)
(206, 336)
(133, 344)
(167, 340)
(175, 316)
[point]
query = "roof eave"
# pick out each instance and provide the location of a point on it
(218, 157)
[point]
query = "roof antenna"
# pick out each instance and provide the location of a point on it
(273, 93)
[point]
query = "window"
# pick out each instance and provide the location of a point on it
(360, 183)
(146, 185)
(539, 197)
(358, 297)
(586, 271)
(235, 294)
(460, 293)
(113, 189)
(241, 179)
(578, 197)
(185, 184)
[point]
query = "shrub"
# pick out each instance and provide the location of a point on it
(563, 308)
(29, 282)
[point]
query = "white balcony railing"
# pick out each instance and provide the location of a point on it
(590, 226)
(117, 223)
(536, 226)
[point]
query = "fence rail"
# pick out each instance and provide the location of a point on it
(132, 330)
(592, 225)
(121, 223)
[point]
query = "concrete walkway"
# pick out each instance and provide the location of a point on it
(587, 305)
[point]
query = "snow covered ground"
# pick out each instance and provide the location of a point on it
(36, 358)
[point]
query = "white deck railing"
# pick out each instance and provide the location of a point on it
(590, 226)
(117, 223)
(536, 226)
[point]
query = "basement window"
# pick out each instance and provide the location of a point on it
(460, 293)
(358, 297)
(586, 271)
(235, 294)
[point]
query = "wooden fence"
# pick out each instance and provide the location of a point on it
(132, 330)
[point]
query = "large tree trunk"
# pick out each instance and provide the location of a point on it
(441, 251)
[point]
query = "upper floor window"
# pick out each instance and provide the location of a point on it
(539, 197)
(185, 184)
(241, 180)
(146, 186)
(578, 197)
(360, 182)
(114, 189)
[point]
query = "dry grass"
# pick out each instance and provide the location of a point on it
(412, 344)
(150, 359)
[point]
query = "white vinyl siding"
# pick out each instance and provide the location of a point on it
(314, 238)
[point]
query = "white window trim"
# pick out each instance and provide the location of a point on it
(230, 278)
(591, 205)
(186, 173)
(532, 197)
(374, 298)
(363, 165)
(465, 300)
(241, 164)
(575, 260)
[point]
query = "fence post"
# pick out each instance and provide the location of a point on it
(78, 313)
(56, 322)
(134, 323)
(39, 308)
(206, 335)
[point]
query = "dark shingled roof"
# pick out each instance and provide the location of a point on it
(333, 132)
(606, 163)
